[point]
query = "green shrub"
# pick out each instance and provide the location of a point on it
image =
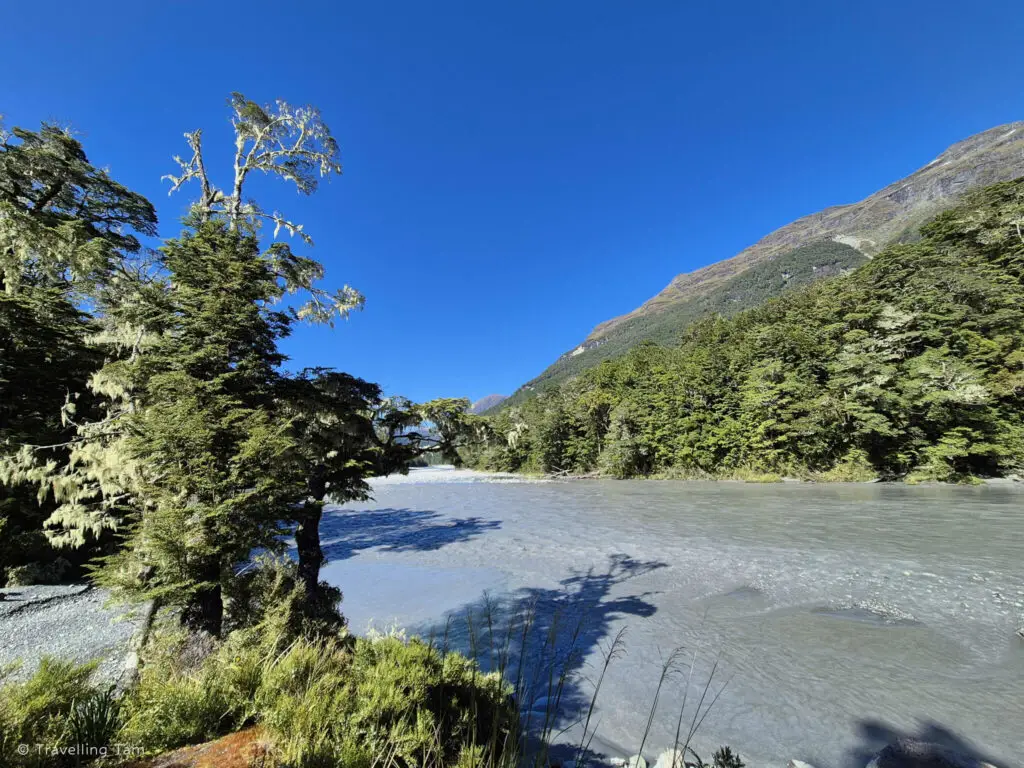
(383, 700)
(726, 758)
(854, 468)
(178, 701)
(751, 475)
(53, 572)
(39, 711)
(96, 720)
(267, 601)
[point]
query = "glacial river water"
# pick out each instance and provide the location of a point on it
(841, 616)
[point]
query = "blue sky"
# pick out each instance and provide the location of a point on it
(516, 172)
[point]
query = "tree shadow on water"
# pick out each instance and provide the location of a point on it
(874, 735)
(346, 532)
(540, 639)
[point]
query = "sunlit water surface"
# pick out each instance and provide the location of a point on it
(842, 615)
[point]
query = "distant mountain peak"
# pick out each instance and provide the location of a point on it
(868, 226)
(486, 403)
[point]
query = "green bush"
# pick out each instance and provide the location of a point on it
(268, 602)
(180, 701)
(853, 468)
(384, 700)
(323, 702)
(44, 710)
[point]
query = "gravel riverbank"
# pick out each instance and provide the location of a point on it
(64, 621)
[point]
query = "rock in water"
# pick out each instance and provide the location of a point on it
(1020, 633)
(911, 753)
(670, 758)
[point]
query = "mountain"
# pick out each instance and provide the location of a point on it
(486, 403)
(830, 242)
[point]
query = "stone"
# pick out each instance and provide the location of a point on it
(912, 753)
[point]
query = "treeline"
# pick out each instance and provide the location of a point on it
(910, 367)
(150, 432)
(787, 271)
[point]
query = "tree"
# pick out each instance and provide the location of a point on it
(346, 432)
(332, 420)
(210, 447)
(911, 366)
(67, 230)
(294, 144)
(62, 221)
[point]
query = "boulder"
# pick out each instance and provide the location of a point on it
(912, 753)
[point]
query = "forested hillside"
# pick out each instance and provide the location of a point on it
(892, 214)
(911, 366)
(793, 269)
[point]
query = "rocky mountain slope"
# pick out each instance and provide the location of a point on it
(820, 245)
(486, 403)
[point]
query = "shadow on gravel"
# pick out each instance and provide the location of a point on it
(874, 735)
(552, 632)
(344, 532)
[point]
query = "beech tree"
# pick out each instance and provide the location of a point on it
(212, 437)
(68, 231)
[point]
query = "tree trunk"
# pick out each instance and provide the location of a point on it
(205, 612)
(307, 535)
(307, 542)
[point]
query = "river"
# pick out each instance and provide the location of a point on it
(841, 616)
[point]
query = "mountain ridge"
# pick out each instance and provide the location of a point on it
(487, 402)
(888, 215)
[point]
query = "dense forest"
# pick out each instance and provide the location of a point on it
(911, 366)
(790, 270)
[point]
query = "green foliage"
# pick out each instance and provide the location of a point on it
(726, 758)
(266, 600)
(188, 692)
(66, 231)
(744, 290)
(52, 707)
(62, 221)
(95, 720)
(911, 366)
(329, 701)
(386, 700)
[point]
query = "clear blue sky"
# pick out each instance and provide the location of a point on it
(516, 172)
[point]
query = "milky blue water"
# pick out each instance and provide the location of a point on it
(841, 616)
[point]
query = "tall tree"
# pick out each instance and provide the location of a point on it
(67, 232)
(212, 437)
